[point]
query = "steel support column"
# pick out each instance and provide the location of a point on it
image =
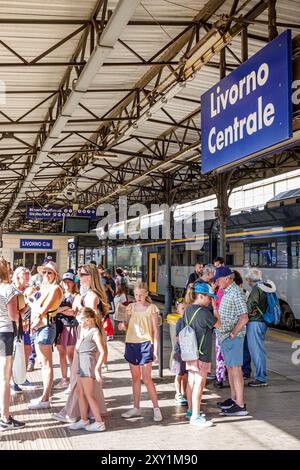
(114, 259)
(169, 227)
(222, 211)
(106, 256)
(272, 29)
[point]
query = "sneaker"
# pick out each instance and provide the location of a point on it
(30, 367)
(63, 418)
(15, 389)
(188, 414)
(68, 390)
(10, 424)
(225, 405)
(235, 410)
(38, 404)
(157, 416)
(63, 383)
(257, 383)
(132, 413)
(201, 421)
(95, 427)
(81, 424)
(28, 385)
(181, 400)
(104, 368)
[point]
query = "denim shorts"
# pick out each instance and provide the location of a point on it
(6, 344)
(232, 350)
(27, 339)
(46, 335)
(139, 354)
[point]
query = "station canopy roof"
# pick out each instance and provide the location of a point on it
(102, 98)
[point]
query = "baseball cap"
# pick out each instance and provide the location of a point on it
(222, 271)
(69, 276)
(203, 288)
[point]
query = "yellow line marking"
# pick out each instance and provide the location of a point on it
(282, 337)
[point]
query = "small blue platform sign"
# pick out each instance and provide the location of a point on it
(32, 244)
(250, 110)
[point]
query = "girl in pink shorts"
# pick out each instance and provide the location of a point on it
(202, 321)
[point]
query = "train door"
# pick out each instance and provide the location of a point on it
(152, 273)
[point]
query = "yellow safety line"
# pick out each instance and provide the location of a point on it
(282, 337)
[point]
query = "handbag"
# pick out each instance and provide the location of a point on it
(19, 364)
(121, 313)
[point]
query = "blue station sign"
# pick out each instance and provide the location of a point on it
(249, 110)
(33, 244)
(57, 213)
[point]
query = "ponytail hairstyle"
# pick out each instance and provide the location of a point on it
(190, 296)
(87, 312)
(143, 286)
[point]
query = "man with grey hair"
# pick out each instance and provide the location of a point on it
(234, 317)
(257, 305)
(208, 273)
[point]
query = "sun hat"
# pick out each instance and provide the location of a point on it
(49, 265)
(203, 288)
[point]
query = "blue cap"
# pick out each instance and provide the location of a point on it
(222, 271)
(203, 288)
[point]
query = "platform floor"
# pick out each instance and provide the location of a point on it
(273, 421)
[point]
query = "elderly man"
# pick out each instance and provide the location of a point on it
(208, 273)
(257, 305)
(234, 317)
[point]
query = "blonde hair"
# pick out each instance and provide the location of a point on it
(143, 286)
(87, 312)
(96, 285)
(190, 296)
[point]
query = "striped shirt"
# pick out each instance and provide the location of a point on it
(232, 305)
(7, 292)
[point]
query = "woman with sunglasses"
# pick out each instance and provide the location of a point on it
(44, 310)
(66, 325)
(92, 296)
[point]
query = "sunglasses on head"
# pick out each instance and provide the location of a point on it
(47, 272)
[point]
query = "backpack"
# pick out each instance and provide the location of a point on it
(188, 341)
(273, 313)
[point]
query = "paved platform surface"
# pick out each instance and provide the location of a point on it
(273, 421)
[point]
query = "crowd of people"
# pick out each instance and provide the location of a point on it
(215, 300)
(40, 310)
(80, 312)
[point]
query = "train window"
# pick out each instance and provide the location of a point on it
(153, 270)
(295, 254)
(162, 259)
(263, 255)
(175, 259)
(282, 255)
(246, 254)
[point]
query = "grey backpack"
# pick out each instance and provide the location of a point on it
(188, 341)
